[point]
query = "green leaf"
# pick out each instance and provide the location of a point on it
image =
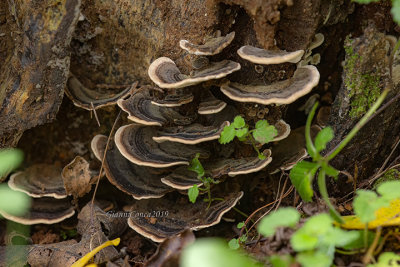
(265, 134)
(396, 11)
(212, 252)
(240, 225)
(196, 166)
(301, 176)
(243, 238)
(387, 259)
(359, 243)
(241, 133)
(389, 190)
(10, 159)
(314, 259)
(339, 238)
(323, 137)
(193, 192)
(329, 170)
(238, 122)
(366, 203)
(307, 237)
(13, 202)
(283, 217)
(234, 244)
(227, 134)
(281, 260)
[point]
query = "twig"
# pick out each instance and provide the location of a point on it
(95, 114)
(370, 252)
(103, 159)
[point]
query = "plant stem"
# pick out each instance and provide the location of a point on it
(310, 146)
(325, 197)
(249, 136)
(367, 257)
(357, 127)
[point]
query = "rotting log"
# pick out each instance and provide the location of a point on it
(35, 62)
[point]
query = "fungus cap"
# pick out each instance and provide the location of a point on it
(210, 104)
(136, 144)
(141, 110)
(39, 180)
(46, 210)
(174, 100)
(267, 57)
(138, 181)
(166, 74)
(88, 99)
(283, 92)
(209, 48)
(186, 215)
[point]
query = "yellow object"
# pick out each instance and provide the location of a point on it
(386, 216)
(85, 259)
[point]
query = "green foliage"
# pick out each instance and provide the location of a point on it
(69, 233)
(366, 203)
(211, 252)
(288, 217)
(12, 202)
(10, 159)
(316, 240)
(193, 192)
(282, 260)
(301, 176)
(389, 175)
(196, 166)
(387, 259)
(263, 133)
(323, 138)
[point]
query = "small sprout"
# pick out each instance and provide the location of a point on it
(196, 166)
(263, 133)
(240, 225)
(193, 193)
(234, 244)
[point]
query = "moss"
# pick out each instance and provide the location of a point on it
(389, 175)
(363, 88)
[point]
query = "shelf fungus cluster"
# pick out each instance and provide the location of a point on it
(148, 159)
(45, 185)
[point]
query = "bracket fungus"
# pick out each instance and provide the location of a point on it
(180, 217)
(141, 110)
(136, 144)
(166, 74)
(209, 48)
(210, 104)
(92, 99)
(174, 100)
(138, 181)
(267, 57)
(46, 210)
(182, 178)
(40, 180)
(283, 92)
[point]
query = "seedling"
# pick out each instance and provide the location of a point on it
(234, 243)
(304, 172)
(263, 133)
(193, 192)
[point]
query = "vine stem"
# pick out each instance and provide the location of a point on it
(324, 193)
(358, 126)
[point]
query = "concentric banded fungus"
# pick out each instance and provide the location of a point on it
(182, 178)
(138, 181)
(180, 217)
(283, 92)
(210, 104)
(192, 134)
(40, 180)
(267, 57)
(45, 210)
(211, 47)
(89, 99)
(174, 100)
(283, 130)
(141, 110)
(136, 144)
(166, 74)
(291, 150)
